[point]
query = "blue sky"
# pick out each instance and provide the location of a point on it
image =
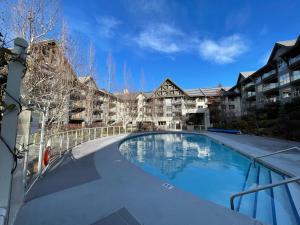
(197, 43)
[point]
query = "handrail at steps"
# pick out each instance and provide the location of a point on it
(260, 188)
(274, 153)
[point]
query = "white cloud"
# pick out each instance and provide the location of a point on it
(224, 51)
(107, 26)
(162, 38)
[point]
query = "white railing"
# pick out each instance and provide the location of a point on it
(295, 76)
(62, 142)
(294, 59)
(296, 94)
(251, 84)
(270, 86)
(268, 74)
(250, 94)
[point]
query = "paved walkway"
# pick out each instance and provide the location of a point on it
(288, 162)
(95, 184)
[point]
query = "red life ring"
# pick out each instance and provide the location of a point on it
(46, 155)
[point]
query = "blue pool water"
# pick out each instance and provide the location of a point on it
(197, 164)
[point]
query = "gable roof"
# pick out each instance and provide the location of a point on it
(244, 75)
(285, 45)
(161, 89)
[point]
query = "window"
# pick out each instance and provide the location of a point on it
(284, 79)
(259, 88)
(200, 107)
(258, 80)
(286, 94)
(162, 123)
(231, 107)
(169, 108)
(281, 65)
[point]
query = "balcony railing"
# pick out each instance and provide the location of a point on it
(294, 60)
(295, 76)
(271, 100)
(296, 94)
(268, 74)
(251, 84)
(250, 94)
(177, 102)
(190, 104)
(270, 86)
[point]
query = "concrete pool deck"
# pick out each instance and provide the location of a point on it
(251, 145)
(95, 184)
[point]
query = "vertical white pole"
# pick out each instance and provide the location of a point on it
(119, 130)
(89, 134)
(42, 141)
(76, 137)
(95, 133)
(106, 131)
(61, 144)
(68, 140)
(26, 117)
(81, 135)
(9, 125)
(113, 131)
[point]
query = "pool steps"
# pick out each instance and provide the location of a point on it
(275, 206)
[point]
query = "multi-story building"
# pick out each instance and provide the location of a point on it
(170, 106)
(276, 82)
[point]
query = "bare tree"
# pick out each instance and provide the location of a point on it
(91, 95)
(33, 20)
(50, 79)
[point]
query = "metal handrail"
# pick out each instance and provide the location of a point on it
(274, 153)
(260, 188)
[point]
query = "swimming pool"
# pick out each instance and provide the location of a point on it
(209, 170)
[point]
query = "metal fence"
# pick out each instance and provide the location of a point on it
(62, 142)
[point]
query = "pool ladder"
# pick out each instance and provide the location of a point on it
(267, 186)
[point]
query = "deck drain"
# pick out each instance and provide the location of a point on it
(167, 186)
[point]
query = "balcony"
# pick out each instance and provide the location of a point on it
(97, 117)
(270, 86)
(250, 94)
(295, 76)
(296, 94)
(250, 85)
(77, 116)
(294, 62)
(176, 109)
(190, 104)
(268, 74)
(271, 100)
(177, 102)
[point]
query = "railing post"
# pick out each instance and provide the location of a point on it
(113, 131)
(81, 135)
(68, 140)
(106, 131)
(101, 131)
(95, 133)
(76, 136)
(61, 145)
(89, 134)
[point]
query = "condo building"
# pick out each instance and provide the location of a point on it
(276, 82)
(172, 107)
